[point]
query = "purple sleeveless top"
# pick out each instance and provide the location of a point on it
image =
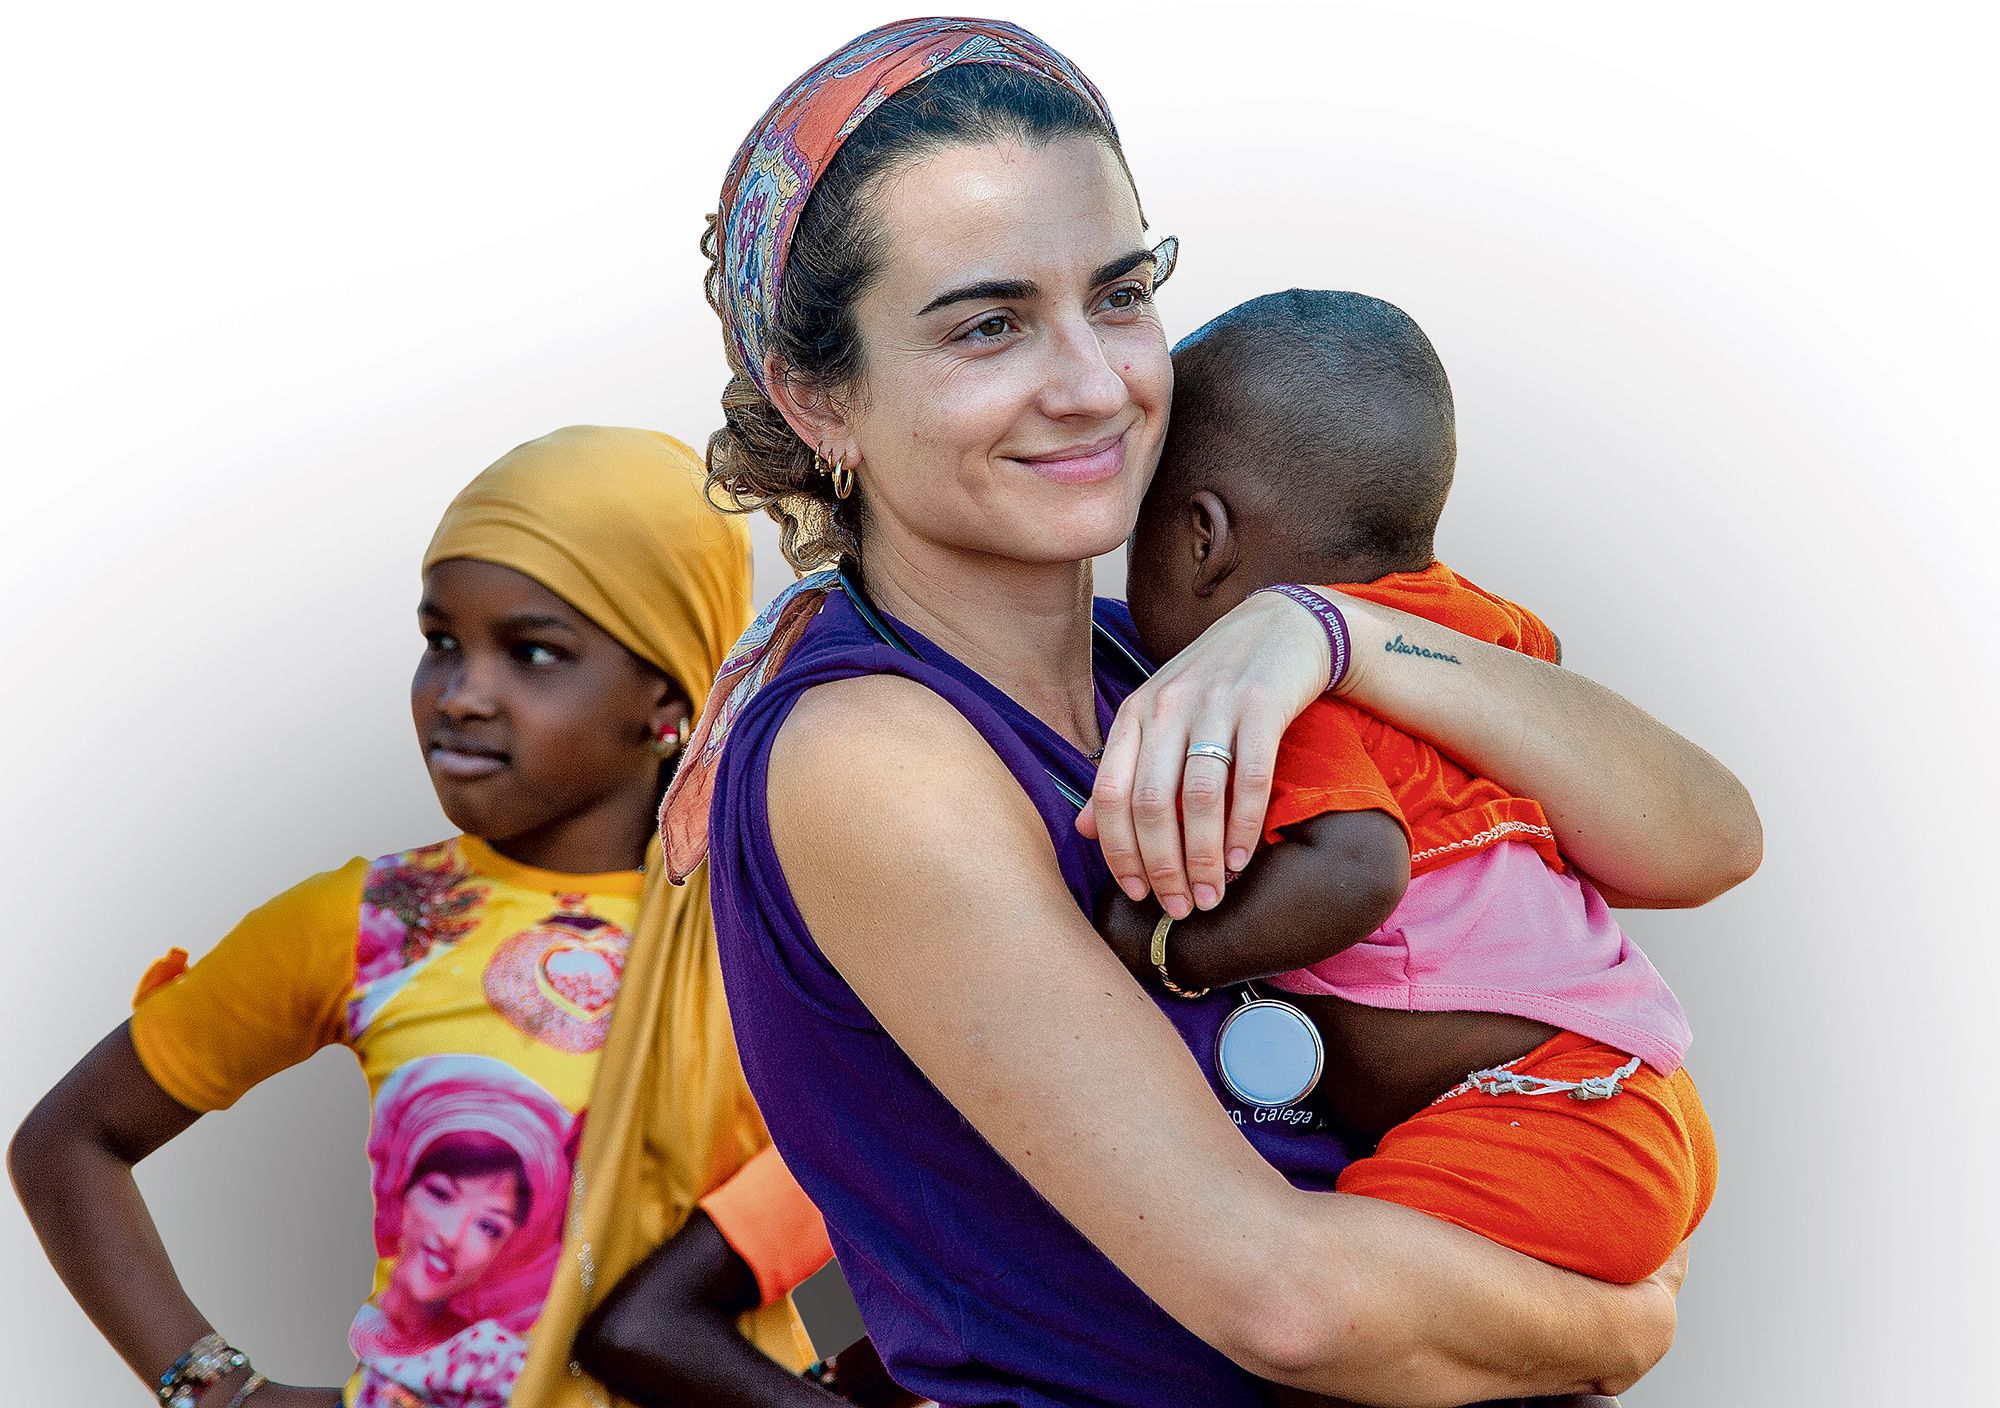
(973, 1287)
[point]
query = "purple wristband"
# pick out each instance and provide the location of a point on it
(1328, 615)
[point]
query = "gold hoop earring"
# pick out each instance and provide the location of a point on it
(842, 477)
(669, 740)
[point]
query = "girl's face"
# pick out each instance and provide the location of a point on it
(453, 1226)
(536, 724)
(1015, 376)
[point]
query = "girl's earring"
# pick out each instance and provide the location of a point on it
(669, 740)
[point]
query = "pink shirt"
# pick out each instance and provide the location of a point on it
(1499, 931)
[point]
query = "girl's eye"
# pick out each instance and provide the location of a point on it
(493, 1230)
(531, 653)
(439, 642)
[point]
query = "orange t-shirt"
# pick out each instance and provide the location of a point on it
(1337, 757)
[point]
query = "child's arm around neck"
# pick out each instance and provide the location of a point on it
(1330, 885)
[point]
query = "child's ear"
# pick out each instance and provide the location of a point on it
(810, 409)
(1215, 543)
(671, 709)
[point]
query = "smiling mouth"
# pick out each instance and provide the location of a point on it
(437, 1264)
(1081, 464)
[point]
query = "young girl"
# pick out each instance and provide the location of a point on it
(530, 1154)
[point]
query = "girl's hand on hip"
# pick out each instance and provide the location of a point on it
(1177, 825)
(275, 1395)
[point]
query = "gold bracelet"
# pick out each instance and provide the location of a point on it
(1160, 959)
(250, 1386)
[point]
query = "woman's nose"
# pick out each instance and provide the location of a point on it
(1082, 382)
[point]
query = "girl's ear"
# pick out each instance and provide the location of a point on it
(672, 710)
(811, 411)
(1216, 547)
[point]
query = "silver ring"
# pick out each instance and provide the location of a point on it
(1211, 750)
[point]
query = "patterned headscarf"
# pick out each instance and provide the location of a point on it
(793, 143)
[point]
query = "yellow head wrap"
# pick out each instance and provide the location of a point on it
(614, 522)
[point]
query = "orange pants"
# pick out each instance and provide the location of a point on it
(1605, 1187)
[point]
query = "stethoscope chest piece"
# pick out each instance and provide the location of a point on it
(1269, 1053)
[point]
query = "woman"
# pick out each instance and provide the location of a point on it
(569, 1174)
(936, 287)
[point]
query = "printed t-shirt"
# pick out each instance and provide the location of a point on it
(975, 1290)
(476, 994)
(1493, 920)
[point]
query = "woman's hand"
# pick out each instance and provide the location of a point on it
(1174, 824)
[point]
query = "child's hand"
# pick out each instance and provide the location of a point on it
(1127, 928)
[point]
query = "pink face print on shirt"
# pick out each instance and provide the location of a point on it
(466, 1203)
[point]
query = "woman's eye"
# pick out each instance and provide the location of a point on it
(493, 1230)
(530, 653)
(987, 329)
(439, 642)
(1127, 297)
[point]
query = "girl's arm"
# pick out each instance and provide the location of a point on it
(927, 879)
(1643, 811)
(667, 1333)
(71, 1163)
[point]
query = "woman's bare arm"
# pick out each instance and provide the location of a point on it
(929, 882)
(1644, 811)
(71, 1162)
(1653, 817)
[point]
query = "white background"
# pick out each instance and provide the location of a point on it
(1715, 285)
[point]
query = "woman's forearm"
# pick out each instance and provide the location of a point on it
(1383, 1306)
(1638, 807)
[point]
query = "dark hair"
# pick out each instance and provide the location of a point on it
(755, 459)
(469, 1153)
(1340, 402)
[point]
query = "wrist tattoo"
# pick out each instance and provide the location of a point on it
(1399, 646)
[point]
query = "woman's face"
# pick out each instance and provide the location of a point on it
(1015, 377)
(453, 1226)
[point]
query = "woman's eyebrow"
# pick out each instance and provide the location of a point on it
(1010, 289)
(1123, 264)
(1024, 289)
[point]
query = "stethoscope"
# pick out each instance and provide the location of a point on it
(1268, 1053)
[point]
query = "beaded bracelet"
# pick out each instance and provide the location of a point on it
(206, 1360)
(1329, 617)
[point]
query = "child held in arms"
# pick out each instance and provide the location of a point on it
(1511, 1055)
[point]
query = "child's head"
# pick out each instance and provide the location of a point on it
(579, 597)
(1311, 440)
